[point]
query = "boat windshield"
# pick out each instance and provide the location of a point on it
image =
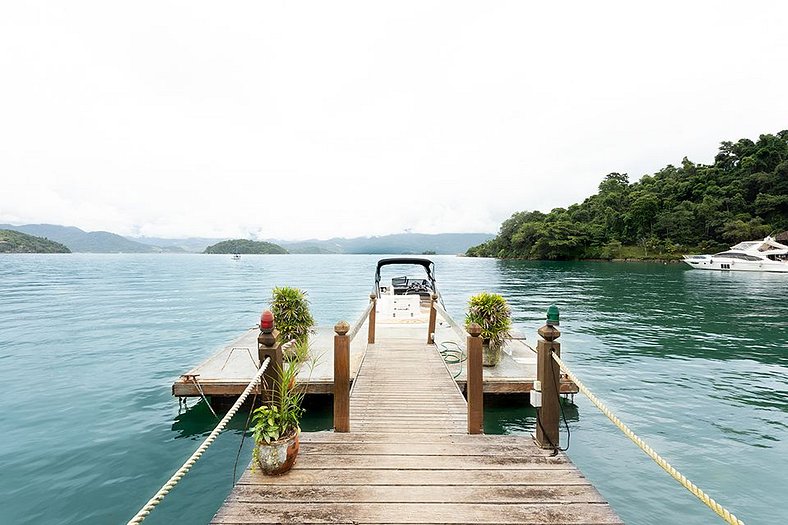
(405, 285)
(745, 245)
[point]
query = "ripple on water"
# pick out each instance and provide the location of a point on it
(695, 362)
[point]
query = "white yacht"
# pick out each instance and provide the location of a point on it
(767, 255)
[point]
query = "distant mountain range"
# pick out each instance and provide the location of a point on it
(399, 243)
(78, 240)
(91, 242)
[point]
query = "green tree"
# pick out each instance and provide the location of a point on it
(742, 195)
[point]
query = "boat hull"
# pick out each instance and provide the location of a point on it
(731, 265)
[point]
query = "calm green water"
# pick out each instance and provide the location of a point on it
(695, 362)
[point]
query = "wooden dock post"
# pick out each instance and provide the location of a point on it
(431, 325)
(341, 377)
(475, 383)
(371, 334)
(268, 347)
(547, 373)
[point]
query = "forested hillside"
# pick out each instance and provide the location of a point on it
(12, 241)
(743, 195)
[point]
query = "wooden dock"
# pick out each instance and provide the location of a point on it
(408, 459)
(227, 372)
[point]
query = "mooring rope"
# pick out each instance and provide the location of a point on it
(199, 389)
(170, 484)
(721, 511)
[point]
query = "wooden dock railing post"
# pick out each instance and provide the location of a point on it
(268, 347)
(475, 382)
(548, 375)
(433, 314)
(373, 298)
(341, 377)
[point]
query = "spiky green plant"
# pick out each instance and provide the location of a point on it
(291, 314)
(492, 313)
(281, 417)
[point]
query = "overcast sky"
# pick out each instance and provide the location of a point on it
(296, 120)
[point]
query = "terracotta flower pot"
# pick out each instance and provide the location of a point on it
(278, 457)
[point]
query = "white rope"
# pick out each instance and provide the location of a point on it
(167, 487)
(199, 389)
(721, 511)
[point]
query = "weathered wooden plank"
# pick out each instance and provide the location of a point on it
(236, 387)
(368, 407)
(415, 461)
(405, 413)
(425, 449)
(501, 514)
(385, 429)
(567, 475)
(496, 385)
(331, 437)
(323, 493)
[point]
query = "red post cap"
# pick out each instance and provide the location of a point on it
(267, 320)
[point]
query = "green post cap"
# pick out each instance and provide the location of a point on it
(552, 315)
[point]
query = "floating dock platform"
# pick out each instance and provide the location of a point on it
(227, 372)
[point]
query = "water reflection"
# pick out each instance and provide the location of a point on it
(512, 414)
(655, 309)
(198, 420)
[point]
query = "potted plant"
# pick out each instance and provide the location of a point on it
(293, 318)
(276, 425)
(492, 313)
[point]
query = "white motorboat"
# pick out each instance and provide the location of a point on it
(767, 255)
(405, 299)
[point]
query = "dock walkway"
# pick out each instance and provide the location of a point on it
(408, 459)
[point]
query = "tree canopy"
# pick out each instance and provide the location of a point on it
(743, 195)
(244, 246)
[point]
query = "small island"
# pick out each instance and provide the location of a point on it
(245, 246)
(15, 242)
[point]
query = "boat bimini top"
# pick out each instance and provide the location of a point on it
(407, 285)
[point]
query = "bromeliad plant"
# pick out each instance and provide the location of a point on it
(291, 311)
(493, 314)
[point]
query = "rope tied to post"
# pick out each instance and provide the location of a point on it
(721, 511)
(175, 478)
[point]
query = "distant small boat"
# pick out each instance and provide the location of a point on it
(236, 256)
(767, 255)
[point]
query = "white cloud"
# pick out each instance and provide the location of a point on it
(315, 119)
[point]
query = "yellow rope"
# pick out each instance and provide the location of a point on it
(667, 467)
